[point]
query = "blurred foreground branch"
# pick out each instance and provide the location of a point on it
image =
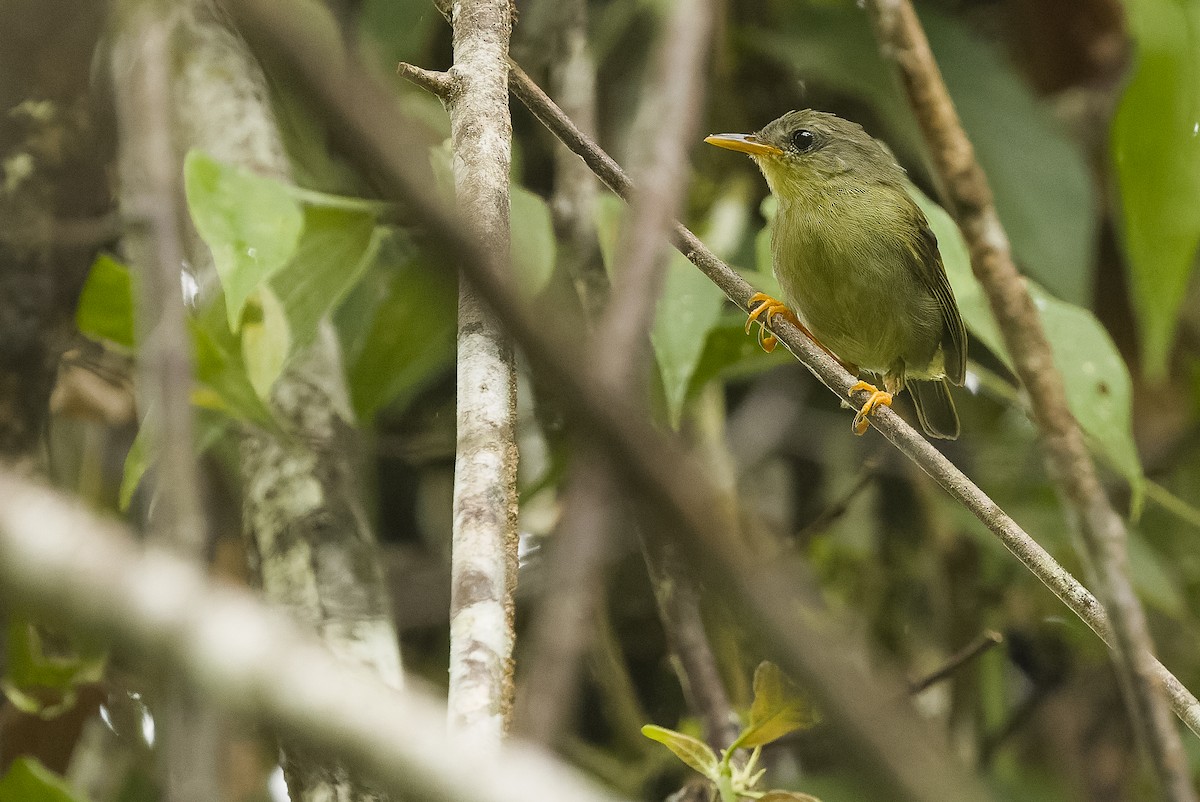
(62, 562)
(1100, 528)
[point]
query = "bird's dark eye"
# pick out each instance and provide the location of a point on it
(803, 140)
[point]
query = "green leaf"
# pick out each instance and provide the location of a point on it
(534, 249)
(1155, 150)
(1099, 390)
(207, 428)
(1043, 187)
(398, 332)
(105, 310)
(42, 684)
(266, 341)
(337, 247)
(251, 224)
(221, 372)
(691, 751)
(27, 780)
(777, 709)
(689, 307)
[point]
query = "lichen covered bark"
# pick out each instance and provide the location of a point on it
(303, 513)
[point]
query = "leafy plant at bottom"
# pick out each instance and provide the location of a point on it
(776, 711)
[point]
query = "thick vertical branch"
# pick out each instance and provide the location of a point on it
(1100, 528)
(484, 569)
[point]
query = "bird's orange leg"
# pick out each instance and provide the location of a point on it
(765, 307)
(878, 397)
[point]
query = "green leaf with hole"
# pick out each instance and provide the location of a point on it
(27, 780)
(691, 751)
(1155, 151)
(777, 709)
(1099, 389)
(266, 341)
(251, 224)
(105, 310)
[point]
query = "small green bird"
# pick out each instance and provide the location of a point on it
(858, 263)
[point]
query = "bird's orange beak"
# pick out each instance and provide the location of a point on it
(744, 143)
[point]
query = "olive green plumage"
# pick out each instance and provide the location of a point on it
(857, 261)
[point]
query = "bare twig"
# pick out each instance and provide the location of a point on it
(60, 561)
(484, 557)
(957, 660)
(152, 199)
(1101, 529)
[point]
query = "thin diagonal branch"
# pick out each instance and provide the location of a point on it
(1071, 468)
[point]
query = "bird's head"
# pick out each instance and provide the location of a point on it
(804, 148)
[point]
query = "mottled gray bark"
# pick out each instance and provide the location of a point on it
(484, 562)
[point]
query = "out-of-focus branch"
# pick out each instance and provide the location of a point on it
(665, 129)
(302, 509)
(60, 561)
(884, 737)
(484, 555)
(1100, 528)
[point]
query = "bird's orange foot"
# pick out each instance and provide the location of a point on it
(878, 397)
(765, 307)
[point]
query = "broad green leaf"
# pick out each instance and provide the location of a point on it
(402, 326)
(1155, 150)
(43, 684)
(1099, 390)
(266, 341)
(691, 751)
(337, 247)
(224, 379)
(689, 307)
(1043, 186)
(27, 780)
(105, 310)
(534, 249)
(251, 224)
(777, 709)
